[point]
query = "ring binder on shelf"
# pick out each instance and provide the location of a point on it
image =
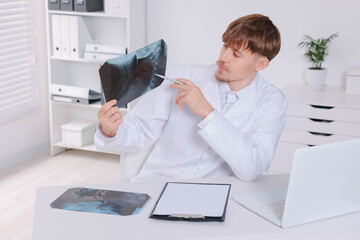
(72, 91)
(65, 36)
(56, 35)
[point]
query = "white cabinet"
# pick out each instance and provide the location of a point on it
(315, 118)
(126, 29)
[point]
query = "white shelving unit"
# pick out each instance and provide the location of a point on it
(114, 30)
(315, 118)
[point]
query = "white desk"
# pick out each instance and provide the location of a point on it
(239, 222)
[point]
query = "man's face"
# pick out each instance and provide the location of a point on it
(237, 66)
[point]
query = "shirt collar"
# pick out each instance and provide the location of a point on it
(249, 88)
(224, 88)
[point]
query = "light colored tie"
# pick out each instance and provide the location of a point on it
(231, 98)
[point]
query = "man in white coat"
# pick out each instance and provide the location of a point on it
(224, 120)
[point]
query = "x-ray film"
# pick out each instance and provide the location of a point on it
(101, 201)
(129, 76)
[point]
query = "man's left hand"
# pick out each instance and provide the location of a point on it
(191, 94)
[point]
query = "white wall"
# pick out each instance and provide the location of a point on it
(28, 135)
(193, 29)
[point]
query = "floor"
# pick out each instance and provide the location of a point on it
(18, 184)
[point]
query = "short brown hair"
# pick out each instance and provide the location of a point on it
(255, 33)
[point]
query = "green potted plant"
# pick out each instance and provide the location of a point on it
(316, 51)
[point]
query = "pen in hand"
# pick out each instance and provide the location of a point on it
(168, 78)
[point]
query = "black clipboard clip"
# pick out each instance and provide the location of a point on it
(187, 216)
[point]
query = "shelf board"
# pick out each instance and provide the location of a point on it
(88, 14)
(93, 105)
(91, 147)
(82, 60)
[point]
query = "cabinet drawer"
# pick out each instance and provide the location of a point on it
(304, 137)
(284, 155)
(324, 112)
(323, 126)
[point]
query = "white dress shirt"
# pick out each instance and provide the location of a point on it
(238, 138)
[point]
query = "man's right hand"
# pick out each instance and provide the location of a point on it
(110, 118)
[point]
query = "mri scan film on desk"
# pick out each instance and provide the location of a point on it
(128, 77)
(101, 201)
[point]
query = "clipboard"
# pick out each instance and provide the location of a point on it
(192, 202)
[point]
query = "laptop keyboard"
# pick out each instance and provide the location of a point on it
(275, 209)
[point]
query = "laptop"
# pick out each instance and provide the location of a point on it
(324, 182)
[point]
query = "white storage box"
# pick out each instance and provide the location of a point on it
(116, 7)
(353, 80)
(78, 133)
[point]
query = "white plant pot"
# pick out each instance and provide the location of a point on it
(316, 78)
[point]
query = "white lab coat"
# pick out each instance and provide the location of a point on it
(240, 142)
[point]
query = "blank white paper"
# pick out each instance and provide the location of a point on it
(182, 198)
